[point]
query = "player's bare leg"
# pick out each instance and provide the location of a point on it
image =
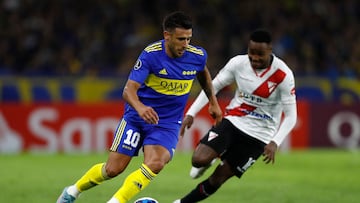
(202, 159)
(155, 158)
(209, 186)
(97, 174)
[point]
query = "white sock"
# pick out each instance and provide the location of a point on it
(73, 191)
(113, 200)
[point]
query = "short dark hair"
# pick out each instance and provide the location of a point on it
(177, 19)
(261, 35)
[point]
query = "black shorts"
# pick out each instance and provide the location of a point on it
(236, 147)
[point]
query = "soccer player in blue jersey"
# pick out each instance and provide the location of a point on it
(156, 94)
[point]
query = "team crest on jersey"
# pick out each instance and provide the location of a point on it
(268, 86)
(138, 64)
(212, 135)
(271, 86)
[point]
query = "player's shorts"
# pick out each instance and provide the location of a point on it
(236, 147)
(130, 137)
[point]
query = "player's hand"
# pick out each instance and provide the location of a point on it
(269, 152)
(186, 123)
(148, 114)
(216, 113)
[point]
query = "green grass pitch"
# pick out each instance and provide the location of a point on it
(309, 176)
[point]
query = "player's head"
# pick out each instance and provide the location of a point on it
(177, 33)
(260, 49)
(177, 19)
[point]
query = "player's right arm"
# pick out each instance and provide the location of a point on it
(205, 81)
(207, 95)
(147, 113)
(222, 79)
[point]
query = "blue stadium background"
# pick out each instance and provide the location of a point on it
(81, 51)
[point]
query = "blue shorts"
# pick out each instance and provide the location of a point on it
(129, 137)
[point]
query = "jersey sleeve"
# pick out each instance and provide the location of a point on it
(226, 75)
(288, 95)
(290, 117)
(222, 79)
(288, 99)
(141, 69)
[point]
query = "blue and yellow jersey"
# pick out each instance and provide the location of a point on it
(165, 82)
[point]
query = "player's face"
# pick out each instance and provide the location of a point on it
(259, 54)
(177, 41)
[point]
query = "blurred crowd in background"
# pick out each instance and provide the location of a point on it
(104, 37)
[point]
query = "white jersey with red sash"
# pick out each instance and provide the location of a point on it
(257, 106)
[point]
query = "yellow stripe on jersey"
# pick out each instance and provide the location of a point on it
(119, 133)
(195, 50)
(168, 86)
(153, 47)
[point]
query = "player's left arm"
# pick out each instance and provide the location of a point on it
(290, 116)
(205, 81)
(289, 109)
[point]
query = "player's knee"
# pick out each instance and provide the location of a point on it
(199, 160)
(113, 171)
(203, 155)
(155, 166)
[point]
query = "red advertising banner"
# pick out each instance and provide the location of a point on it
(334, 125)
(299, 136)
(66, 127)
(58, 127)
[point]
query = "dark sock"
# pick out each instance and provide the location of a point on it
(202, 191)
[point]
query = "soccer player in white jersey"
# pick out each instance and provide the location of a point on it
(156, 93)
(252, 125)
